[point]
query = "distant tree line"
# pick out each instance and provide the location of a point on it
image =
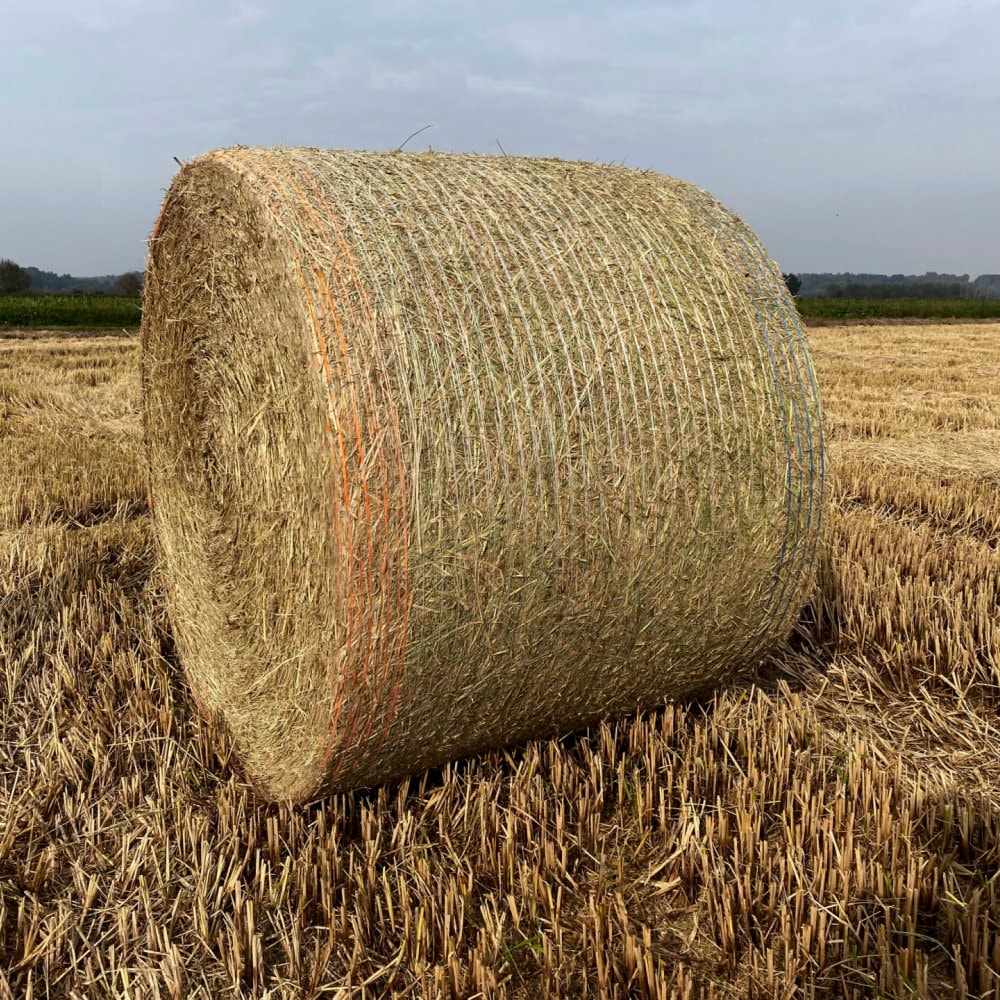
(930, 285)
(917, 290)
(15, 279)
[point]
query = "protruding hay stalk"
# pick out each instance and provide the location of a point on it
(447, 452)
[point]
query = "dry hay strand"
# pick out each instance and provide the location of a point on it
(448, 452)
(973, 454)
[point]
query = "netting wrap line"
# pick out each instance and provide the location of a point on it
(449, 451)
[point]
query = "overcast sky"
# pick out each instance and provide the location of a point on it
(850, 135)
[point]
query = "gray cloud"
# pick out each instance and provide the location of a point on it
(859, 135)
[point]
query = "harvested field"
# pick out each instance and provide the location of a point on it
(833, 830)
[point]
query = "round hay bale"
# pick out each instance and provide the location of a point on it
(448, 452)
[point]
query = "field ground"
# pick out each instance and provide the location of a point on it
(832, 831)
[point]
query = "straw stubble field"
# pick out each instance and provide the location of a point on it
(832, 830)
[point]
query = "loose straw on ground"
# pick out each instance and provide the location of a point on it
(448, 452)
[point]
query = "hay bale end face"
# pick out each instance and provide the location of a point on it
(447, 452)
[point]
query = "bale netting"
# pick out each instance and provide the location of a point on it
(448, 452)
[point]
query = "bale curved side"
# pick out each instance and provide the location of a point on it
(447, 452)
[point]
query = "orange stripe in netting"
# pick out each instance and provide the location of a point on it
(384, 648)
(390, 646)
(378, 427)
(367, 581)
(382, 652)
(348, 549)
(357, 580)
(364, 579)
(395, 647)
(344, 545)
